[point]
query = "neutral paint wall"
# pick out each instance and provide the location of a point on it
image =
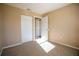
(63, 25)
(1, 30)
(78, 23)
(12, 24)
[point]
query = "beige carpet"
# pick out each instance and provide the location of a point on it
(34, 49)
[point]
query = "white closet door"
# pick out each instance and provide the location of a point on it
(26, 28)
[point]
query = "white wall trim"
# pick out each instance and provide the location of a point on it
(17, 44)
(67, 45)
(1, 51)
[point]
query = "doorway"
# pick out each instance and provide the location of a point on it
(41, 34)
(37, 28)
(41, 29)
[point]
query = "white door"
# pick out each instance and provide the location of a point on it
(26, 28)
(44, 30)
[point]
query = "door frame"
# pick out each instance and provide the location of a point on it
(41, 31)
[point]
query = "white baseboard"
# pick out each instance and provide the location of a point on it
(1, 52)
(10, 47)
(17, 44)
(67, 45)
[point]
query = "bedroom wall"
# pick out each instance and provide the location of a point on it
(1, 30)
(78, 23)
(12, 24)
(64, 25)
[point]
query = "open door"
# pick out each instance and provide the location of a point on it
(44, 30)
(26, 28)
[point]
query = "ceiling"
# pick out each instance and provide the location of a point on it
(40, 8)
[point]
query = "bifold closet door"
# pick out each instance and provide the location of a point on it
(26, 28)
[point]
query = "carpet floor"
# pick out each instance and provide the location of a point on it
(34, 49)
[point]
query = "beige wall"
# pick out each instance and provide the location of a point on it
(1, 30)
(78, 23)
(63, 25)
(12, 24)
